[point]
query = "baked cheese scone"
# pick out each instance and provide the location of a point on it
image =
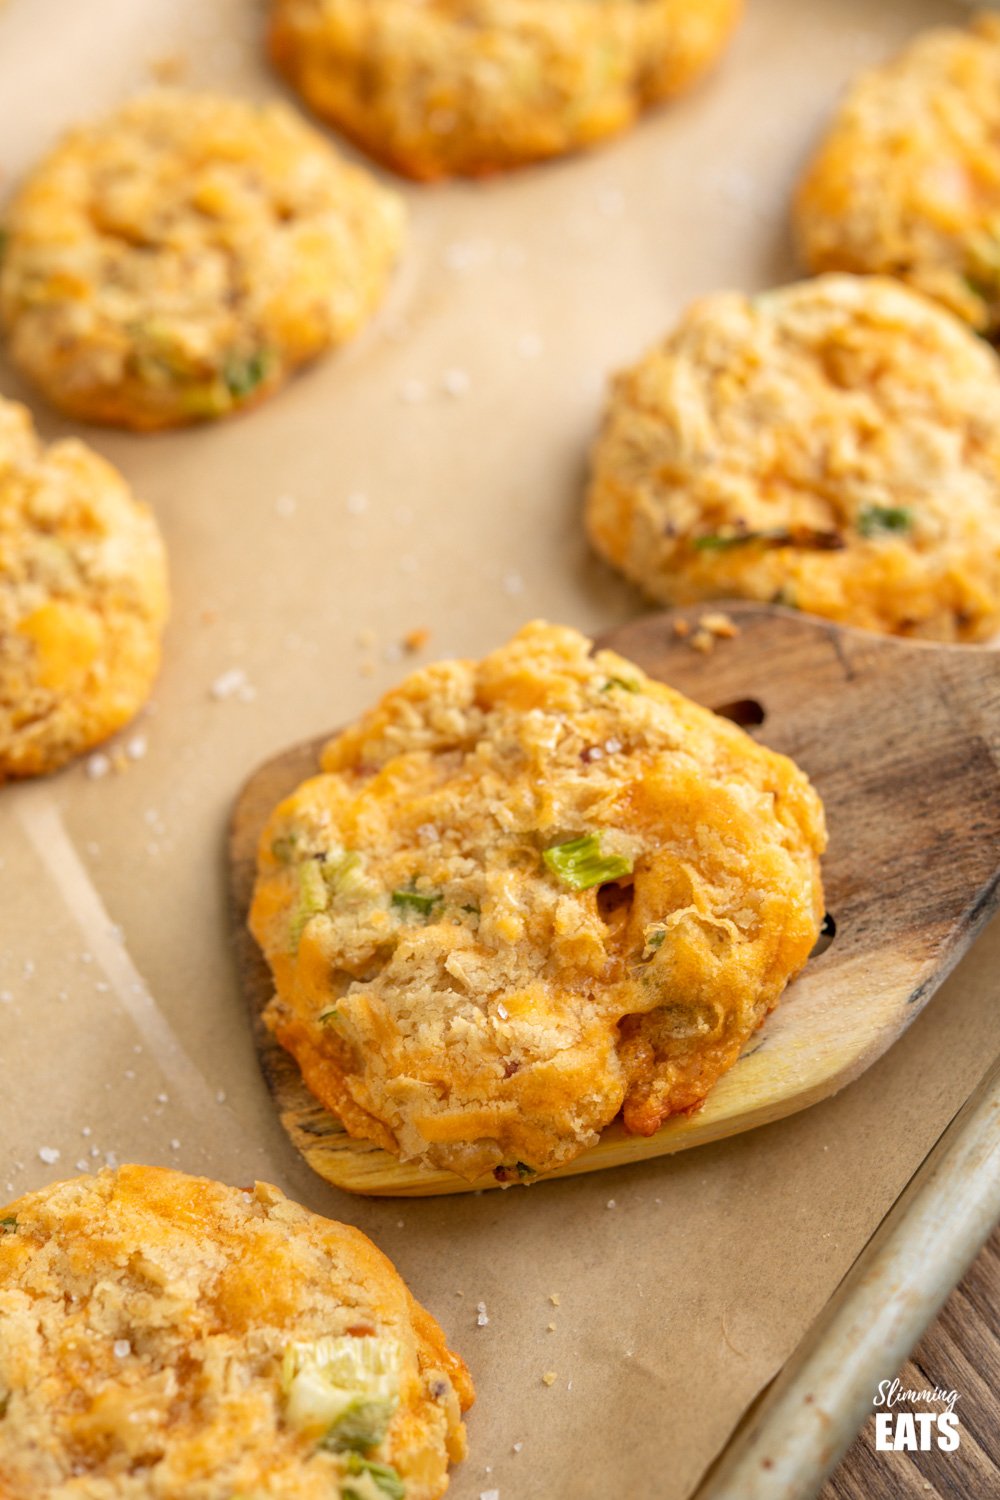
(441, 88)
(177, 260)
(163, 1337)
(833, 446)
(907, 179)
(527, 893)
(83, 599)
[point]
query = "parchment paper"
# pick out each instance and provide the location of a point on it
(306, 541)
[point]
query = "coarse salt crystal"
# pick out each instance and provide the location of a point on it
(122, 1348)
(610, 1203)
(229, 683)
(502, 1011)
(613, 745)
(137, 747)
(489, 1495)
(456, 382)
(49, 1155)
(98, 765)
(482, 1317)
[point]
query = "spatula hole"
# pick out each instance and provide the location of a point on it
(746, 712)
(614, 902)
(827, 933)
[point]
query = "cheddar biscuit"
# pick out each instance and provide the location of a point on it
(167, 1336)
(178, 260)
(467, 87)
(83, 599)
(526, 893)
(833, 446)
(907, 180)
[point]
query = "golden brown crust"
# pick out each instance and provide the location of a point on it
(906, 181)
(176, 261)
(456, 991)
(83, 599)
(146, 1316)
(471, 87)
(832, 445)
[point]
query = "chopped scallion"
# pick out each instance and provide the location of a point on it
(313, 897)
(423, 902)
(874, 519)
(244, 373)
(384, 1476)
(581, 864)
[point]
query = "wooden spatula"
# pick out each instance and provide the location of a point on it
(902, 741)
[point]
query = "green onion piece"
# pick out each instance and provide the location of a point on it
(331, 1014)
(580, 863)
(9, 1226)
(721, 542)
(283, 848)
(423, 902)
(312, 900)
(654, 939)
(346, 878)
(873, 519)
(360, 1425)
(523, 1170)
(244, 373)
(386, 1479)
(779, 536)
(627, 685)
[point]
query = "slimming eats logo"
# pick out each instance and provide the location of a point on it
(915, 1431)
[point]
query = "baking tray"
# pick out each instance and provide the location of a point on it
(306, 541)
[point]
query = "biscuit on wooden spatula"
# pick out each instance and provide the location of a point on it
(614, 894)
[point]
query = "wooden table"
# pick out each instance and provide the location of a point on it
(961, 1351)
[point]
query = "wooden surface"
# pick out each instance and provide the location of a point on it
(961, 1351)
(901, 739)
